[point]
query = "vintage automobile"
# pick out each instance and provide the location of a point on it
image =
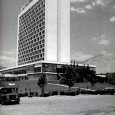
(9, 89)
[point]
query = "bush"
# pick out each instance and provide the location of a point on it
(77, 92)
(83, 92)
(112, 92)
(30, 95)
(21, 94)
(54, 93)
(103, 92)
(46, 94)
(36, 93)
(71, 93)
(62, 93)
(26, 94)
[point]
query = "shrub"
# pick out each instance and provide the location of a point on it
(20, 94)
(71, 93)
(36, 93)
(54, 93)
(77, 92)
(83, 92)
(46, 94)
(26, 94)
(62, 93)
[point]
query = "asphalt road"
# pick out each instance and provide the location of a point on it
(63, 105)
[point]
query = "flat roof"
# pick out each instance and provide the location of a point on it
(50, 62)
(7, 75)
(24, 65)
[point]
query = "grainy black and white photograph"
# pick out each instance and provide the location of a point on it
(57, 57)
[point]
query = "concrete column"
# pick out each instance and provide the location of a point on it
(63, 31)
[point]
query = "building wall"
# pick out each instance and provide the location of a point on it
(57, 30)
(51, 30)
(64, 30)
(31, 33)
(44, 32)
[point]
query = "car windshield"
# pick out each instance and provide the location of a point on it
(7, 90)
(11, 79)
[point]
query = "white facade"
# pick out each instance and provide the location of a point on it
(55, 45)
(63, 30)
(51, 30)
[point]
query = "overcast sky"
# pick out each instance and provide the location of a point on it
(92, 29)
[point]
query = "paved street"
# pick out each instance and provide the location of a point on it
(62, 105)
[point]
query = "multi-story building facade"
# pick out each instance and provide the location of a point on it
(43, 39)
(44, 32)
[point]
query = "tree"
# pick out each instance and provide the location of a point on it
(92, 78)
(42, 81)
(69, 75)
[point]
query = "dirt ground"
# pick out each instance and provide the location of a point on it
(62, 105)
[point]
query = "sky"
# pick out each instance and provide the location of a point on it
(92, 29)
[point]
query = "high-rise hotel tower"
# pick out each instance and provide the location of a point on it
(43, 39)
(44, 32)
